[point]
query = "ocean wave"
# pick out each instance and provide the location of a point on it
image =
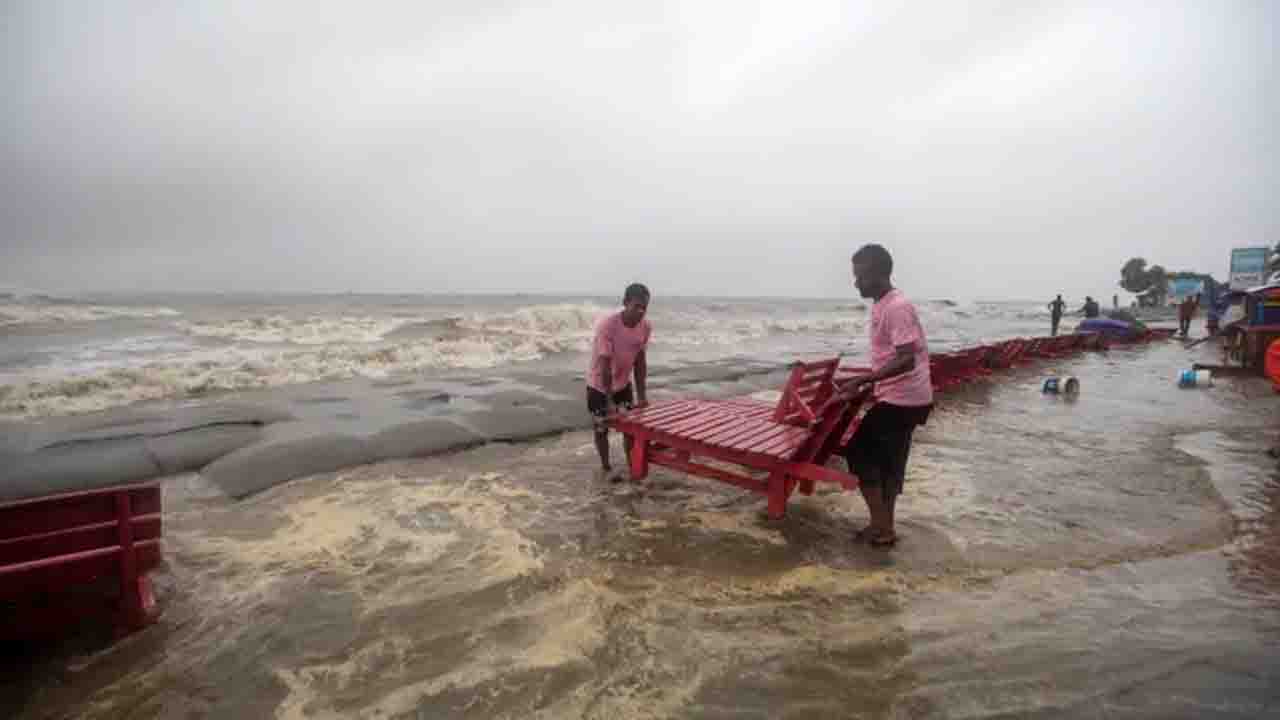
(553, 323)
(202, 373)
(567, 325)
(281, 330)
(38, 310)
(564, 320)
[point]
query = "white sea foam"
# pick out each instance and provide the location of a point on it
(273, 350)
(54, 392)
(311, 330)
(562, 326)
(17, 312)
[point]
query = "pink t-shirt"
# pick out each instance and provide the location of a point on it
(893, 323)
(619, 343)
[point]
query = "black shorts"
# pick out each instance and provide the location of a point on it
(877, 452)
(595, 400)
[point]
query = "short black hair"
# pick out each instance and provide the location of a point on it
(876, 257)
(635, 291)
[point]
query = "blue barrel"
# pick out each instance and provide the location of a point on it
(1061, 386)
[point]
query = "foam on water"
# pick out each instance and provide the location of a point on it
(22, 313)
(241, 345)
(313, 330)
(199, 373)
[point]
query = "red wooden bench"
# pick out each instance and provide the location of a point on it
(69, 557)
(778, 449)
(1005, 354)
(947, 370)
(1062, 345)
(1036, 347)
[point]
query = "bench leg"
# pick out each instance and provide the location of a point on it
(135, 591)
(777, 496)
(640, 457)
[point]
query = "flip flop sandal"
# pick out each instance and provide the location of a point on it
(883, 541)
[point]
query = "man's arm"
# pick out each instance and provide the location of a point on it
(904, 361)
(642, 374)
(606, 376)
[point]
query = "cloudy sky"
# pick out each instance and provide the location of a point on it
(1008, 149)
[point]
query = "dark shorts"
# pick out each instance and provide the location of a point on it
(877, 452)
(595, 400)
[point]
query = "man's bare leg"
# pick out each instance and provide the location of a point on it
(891, 506)
(873, 495)
(627, 443)
(602, 447)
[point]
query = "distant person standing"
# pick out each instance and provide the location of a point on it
(1186, 312)
(1056, 309)
(618, 349)
(1090, 308)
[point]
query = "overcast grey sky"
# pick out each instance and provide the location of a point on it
(1009, 149)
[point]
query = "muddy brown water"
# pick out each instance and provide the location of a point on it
(1112, 556)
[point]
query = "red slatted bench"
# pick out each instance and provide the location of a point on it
(65, 558)
(776, 450)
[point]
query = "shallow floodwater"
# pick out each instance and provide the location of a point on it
(1115, 556)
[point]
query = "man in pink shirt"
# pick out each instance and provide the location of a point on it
(618, 349)
(900, 385)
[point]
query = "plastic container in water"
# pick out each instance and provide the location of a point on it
(1061, 386)
(1195, 378)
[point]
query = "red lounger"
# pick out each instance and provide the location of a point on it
(64, 558)
(1006, 354)
(787, 444)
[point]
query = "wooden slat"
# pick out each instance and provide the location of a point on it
(766, 434)
(51, 513)
(746, 458)
(70, 541)
(655, 413)
(813, 382)
(723, 422)
(689, 424)
(784, 443)
(52, 574)
(730, 434)
(818, 473)
(742, 481)
(677, 420)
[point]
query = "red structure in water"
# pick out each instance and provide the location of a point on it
(79, 556)
(776, 449)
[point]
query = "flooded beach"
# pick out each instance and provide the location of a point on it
(308, 312)
(1111, 556)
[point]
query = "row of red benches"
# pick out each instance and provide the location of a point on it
(776, 449)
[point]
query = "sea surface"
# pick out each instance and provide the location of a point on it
(72, 355)
(1112, 556)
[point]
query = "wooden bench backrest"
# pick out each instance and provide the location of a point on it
(807, 388)
(48, 543)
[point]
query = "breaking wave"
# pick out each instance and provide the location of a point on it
(278, 329)
(230, 369)
(206, 354)
(44, 310)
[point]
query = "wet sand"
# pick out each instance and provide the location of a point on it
(1108, 557)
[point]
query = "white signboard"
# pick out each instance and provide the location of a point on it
(1248, 267)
